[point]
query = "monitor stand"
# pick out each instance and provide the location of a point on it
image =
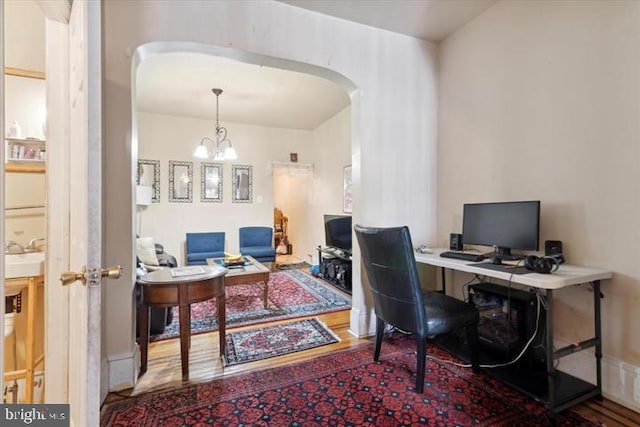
(503, 254)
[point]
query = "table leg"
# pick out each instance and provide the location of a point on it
(185, 332)
(143, 321)
(222, 319)
(598, 333)
(550, 356)
(29, 358)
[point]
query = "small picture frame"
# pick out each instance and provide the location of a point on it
(211, 182)
(242, 185)
(293, 157)
(180, 181)
(148, 174)
(347, 206)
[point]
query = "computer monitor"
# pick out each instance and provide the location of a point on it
(337, 229)
(504, 225)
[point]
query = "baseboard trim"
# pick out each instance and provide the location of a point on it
(620, 380)
(362, 322)
(123, 370)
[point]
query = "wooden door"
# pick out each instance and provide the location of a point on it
(74, 220)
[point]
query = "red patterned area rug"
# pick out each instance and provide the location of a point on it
(292, 293)
(271, 341)
(345, 388)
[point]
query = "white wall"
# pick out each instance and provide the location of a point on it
(24, 102)
(331, 142)
(540, 100)
(393, 117)
(165, 138)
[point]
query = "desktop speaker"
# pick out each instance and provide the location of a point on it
(552, 247)
(455, 242)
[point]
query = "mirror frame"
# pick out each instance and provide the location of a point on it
(155, 195)
(175, 180)
(236, 172)
(206, 186)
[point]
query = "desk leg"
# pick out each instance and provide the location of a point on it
(222, 321)
(143, 321)
(444, 281)
(549, 351)
(598, 334)
(185, 332)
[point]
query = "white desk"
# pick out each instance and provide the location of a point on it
(562, 390)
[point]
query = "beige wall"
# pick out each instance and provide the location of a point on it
(332, 151)
(305, 195)
(393, 120)
(24, 35)
(165, 138)
(541, 100)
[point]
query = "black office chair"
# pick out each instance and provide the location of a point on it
(387, 254)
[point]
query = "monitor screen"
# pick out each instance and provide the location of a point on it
(505, 226)
(337, 230)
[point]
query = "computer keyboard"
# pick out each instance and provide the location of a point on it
(465, 256)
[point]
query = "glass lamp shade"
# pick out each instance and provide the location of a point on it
(201, 152)
(230, 153)
(219, 156)
(144, 195)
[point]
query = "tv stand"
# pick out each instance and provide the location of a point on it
(335, 266)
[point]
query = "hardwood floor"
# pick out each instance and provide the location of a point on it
(205, 364)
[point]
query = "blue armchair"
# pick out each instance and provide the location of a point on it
(256, 242)
(201, 246)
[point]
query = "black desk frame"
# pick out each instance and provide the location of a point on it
(562, 390)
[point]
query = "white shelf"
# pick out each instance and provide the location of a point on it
(29, 150)
(24, 160)
(26, 140)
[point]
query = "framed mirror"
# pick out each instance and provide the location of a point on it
(149, 174)
(180, 181)
(242, 186)
(211, 182)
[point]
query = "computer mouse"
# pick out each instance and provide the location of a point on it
(496, 261)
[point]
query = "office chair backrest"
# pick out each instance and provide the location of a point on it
(387, 254)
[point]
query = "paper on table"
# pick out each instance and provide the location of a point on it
(187, 271)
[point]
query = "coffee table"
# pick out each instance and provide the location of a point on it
(252, 271)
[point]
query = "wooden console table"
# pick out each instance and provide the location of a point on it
(161, 288)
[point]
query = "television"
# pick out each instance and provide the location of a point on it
(337, 231)
(503, 225)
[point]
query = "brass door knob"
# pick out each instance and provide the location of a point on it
(68, 277)
(112, 272)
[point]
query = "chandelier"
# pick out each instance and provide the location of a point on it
(218, 153)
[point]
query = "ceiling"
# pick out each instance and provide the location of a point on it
(179, 84)
(431, 20)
